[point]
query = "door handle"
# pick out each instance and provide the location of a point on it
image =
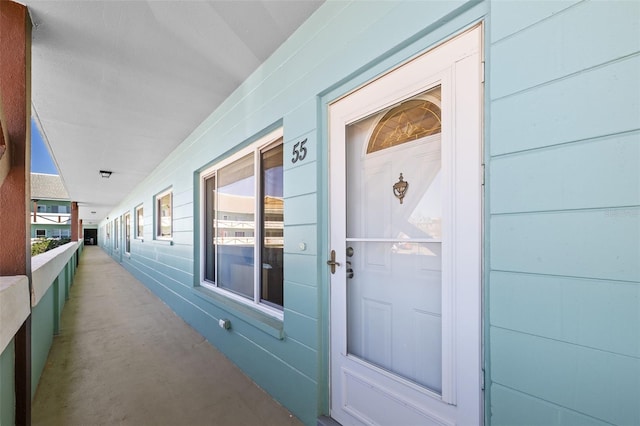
(332, 262)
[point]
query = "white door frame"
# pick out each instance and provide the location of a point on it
(456, 64)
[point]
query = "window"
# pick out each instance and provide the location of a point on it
(116, 233)
(139, 222)
(41, 233)
(163, 215)
(127, 233)
(409, 121)
(244, 223)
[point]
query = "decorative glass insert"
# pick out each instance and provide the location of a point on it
(411, 120)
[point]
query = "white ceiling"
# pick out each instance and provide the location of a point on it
(117, 85)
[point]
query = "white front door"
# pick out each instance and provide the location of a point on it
(405, 226)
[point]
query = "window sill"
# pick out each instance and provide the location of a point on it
(164, 241)
(260, 320)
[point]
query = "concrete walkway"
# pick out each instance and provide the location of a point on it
(123, 357)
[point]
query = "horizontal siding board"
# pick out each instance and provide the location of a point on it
(596, 383)
(602, 244)
(599, 102)
(510, 17)
(597, 314)
(301, 210)
(300, 268)
(294, 236)
(565, 44)
(297, 392)
(301, 120)
(598, 173)
(183, 224)
(300, 327)
(301, 357)
(311, 156)
(300, 180)
(301, 298)
(177, 262)
(313, 59)
(162, 274)
(512, 408)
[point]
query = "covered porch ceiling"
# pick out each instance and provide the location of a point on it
(117, 85)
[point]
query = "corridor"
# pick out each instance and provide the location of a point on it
(123, 357)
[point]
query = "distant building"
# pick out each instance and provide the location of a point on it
(50, 207)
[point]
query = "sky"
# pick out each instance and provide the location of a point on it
(41, 161)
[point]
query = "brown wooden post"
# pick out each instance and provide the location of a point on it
(15, 192)
(74, 221)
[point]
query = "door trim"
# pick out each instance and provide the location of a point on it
(470, 164)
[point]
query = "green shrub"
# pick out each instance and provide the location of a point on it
(44, 244)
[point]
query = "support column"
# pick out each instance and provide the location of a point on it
(74, 221)
(15, 192)
(80, 234)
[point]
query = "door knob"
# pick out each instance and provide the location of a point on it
(332, 262)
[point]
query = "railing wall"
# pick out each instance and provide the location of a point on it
(52, 276)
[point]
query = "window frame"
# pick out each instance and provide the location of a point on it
(116, 234)
(139, 233)
(158, 211)
(263, 144)
(127, 232)
(41, 236)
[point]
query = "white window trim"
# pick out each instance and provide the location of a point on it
(266, 142)
(156, 214)
(136, 220)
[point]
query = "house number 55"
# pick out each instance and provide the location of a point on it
(299, 152)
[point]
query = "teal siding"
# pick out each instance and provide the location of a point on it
(562, 205)
(564, 210)
(7, 385)
(335, 44)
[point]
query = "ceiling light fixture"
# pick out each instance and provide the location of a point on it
(105, 174)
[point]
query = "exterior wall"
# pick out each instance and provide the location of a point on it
(562, 152)
(53, 274)
(52, 231)
(564, 196)
(53, 216)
